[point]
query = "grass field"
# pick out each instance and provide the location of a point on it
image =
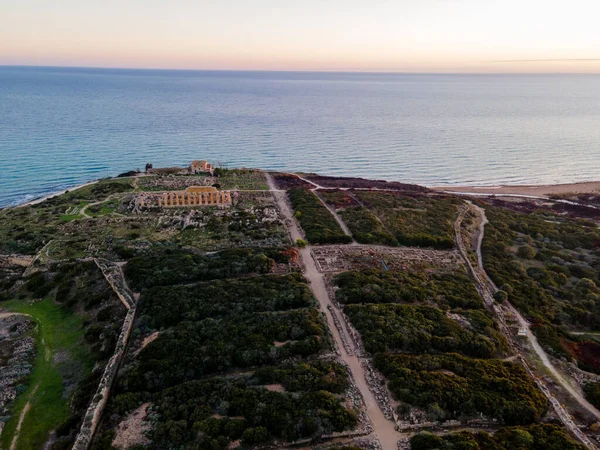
(58, 333)
(243, 179)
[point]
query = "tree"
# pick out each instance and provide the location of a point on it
(255, 435)
(501, 296)
(426, 441)
(586, 284)
(518, 438)
(526, 252)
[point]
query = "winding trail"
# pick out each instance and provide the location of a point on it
(487, 287)
(530, 336)
(83, 210)
(383, 428)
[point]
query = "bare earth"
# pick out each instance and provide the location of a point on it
(533, 190)
(130, 431)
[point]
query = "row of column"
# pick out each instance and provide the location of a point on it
(194, 198)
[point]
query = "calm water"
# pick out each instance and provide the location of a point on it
(62, 127)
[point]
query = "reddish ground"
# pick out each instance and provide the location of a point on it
(289, 181)
(587, 354)
(343, 200)
(348, 182)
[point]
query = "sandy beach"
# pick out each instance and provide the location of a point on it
(532, 190)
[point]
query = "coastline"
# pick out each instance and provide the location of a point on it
(35, 201)
(531, 190)
(541, 190)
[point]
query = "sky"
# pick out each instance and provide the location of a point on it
(329, 35)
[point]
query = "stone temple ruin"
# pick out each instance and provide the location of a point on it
(192, 196)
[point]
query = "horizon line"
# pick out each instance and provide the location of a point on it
(385, 71)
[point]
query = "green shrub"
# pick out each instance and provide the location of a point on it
(460, 385)
(319, 225)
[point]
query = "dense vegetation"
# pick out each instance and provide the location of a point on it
(211, 413)
(319, 225)
(453, 290)
(533, 437)
(181, 267)
(417, 220)
(552, 265)
(592, 393)
(452, 385)
(423, 329)
(191, 350)
(165, 306)
(365, 227)
(211, 331)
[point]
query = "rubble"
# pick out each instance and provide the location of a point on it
(341, 258)
(17, 354)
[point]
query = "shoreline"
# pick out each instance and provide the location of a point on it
(532, 190)
(35, 201)
(540, 190)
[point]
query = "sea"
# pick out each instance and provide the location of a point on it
(60, 127)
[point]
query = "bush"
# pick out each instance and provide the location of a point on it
(319, 225)
(454, 290)
(255, 435)
(419, 329)
(460, 385)
(182, 267)
(533, 437)
(501, 296)
(526, 252)
(417, 220)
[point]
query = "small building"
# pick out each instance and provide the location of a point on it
(201, 167)
(522, 331)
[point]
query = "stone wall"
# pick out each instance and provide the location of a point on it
(114, 277)
(98, 403)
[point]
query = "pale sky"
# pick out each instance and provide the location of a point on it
(366, 35)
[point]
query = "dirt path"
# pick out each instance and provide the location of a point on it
(488, 288)
(24, 411)
(83, 210)
(27, 407)
(383, 429)
(339, 220)
(4, 314)
(306, 180)
(532, 338)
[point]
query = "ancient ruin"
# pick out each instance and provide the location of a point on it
(192, 196)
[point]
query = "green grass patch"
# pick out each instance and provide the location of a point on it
(243, 179)
(57, 331)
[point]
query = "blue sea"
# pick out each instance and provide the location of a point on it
(60, 127)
